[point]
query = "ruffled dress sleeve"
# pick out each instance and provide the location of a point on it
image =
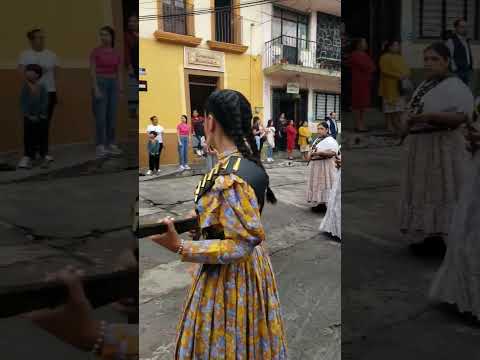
(231, 205)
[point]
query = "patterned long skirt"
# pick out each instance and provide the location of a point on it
(232, 312)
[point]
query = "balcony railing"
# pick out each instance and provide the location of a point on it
(228, 27)
(295, 51)
(174, 18)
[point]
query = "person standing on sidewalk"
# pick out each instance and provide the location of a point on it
(270, 135)
(107, 85)
(332, 124)
(304, 138)
(154, 150)
(159, 130)
(461, 52)
(198, 131)
(393, 70)
(322, 169)
(362, 68)
(48, 61)
(34, 106)
(183, 137)
(291, 132)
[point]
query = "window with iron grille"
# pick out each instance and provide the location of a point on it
(326, 103)
(434, 18)
(172, 21)
(328, 37)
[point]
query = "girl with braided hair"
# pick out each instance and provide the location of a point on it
(232, 310)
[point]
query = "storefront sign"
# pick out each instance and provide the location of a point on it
(204, 59)
(142, 85)
(293, 88)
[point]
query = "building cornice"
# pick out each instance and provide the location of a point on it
(179, 39)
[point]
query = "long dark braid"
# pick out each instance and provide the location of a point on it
(234, 113)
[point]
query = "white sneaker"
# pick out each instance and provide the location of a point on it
(49, 158)
(199, 152)
(181, 168)
(149, 172)
(158, 171)
(25, 163)
(114, 150)
(186, 167)
(100, 152)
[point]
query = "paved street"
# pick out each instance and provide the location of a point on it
(385, 311)
(306, 264)
(75, 213)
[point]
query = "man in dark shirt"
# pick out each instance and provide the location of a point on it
(332, 124)
(461, 51)
(198, 130)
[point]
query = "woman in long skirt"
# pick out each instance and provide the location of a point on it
(434, 153)
(332, 221)
(232, 310)
(322, 169)
(458, 280)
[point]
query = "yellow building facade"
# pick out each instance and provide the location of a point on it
(184, 58)
(71, 29)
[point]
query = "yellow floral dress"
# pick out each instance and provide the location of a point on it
(232, 310)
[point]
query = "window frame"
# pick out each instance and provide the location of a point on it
(189, 19)
(298, 15)
(475, 18)
(337, 101)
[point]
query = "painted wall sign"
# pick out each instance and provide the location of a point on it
(293, 88)
(204, 59)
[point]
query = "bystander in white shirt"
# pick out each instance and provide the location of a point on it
(158, 129)
(47, 60)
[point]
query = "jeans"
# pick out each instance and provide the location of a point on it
(35, 137)
(183, 150)
(154, 160)
(269, 152)
(105, 111)
(257, 141)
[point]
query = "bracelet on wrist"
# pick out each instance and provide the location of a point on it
(100, 339)
(180, 247)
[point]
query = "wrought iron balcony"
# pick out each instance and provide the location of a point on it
(287, 50)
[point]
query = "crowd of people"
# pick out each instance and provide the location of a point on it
(438, 123)
(284, 136)
(39, 66)
(395, 84)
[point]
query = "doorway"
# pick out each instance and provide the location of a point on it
(200, 88)
(294, 106)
